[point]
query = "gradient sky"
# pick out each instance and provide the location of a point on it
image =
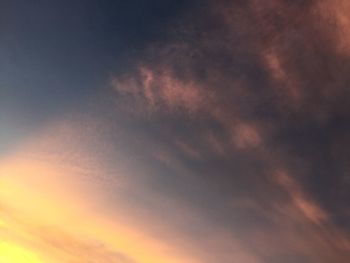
(163, 131)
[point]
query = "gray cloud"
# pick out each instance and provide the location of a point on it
(247, 90)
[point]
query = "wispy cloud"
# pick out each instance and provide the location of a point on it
(261, 84)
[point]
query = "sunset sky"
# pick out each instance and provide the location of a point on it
(174, 131)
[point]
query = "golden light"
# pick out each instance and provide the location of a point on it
(43, 212)
(12, 253)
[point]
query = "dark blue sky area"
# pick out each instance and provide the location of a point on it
(53, 53)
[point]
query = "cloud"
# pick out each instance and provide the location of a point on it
(228, 143)
(310, 210)
(262, 86)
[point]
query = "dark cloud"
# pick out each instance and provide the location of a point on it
(255, 96)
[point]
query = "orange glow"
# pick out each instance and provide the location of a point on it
(43, 205)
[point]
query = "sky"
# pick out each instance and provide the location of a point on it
(163, 131)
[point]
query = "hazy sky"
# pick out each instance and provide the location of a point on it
(171, 131)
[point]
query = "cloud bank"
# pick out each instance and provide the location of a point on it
(252, 96)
